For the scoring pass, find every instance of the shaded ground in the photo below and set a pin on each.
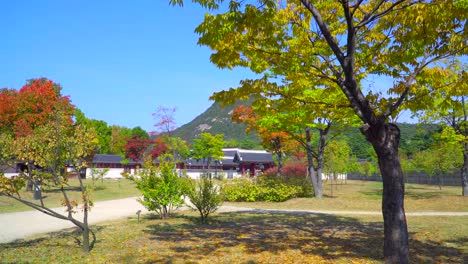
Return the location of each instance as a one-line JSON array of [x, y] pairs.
[[244, 237]]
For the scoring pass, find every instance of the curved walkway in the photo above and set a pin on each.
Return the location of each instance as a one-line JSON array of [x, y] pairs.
[[14, 226]]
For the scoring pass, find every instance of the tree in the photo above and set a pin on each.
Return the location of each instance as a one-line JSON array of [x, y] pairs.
[[103, 131], [139, 132], [159, 147], [46, 149], [161, 187], [119, 136], [208, 148], [276, 142], [446, 104], [337, 158], [336, 45], [165, 120], [440, 159], [178, 148], [31, 106], [136, 147], [205, 197], [288, 116], [96, 175]]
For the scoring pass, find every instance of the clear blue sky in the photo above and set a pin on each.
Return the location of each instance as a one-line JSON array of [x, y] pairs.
[[117, 60]]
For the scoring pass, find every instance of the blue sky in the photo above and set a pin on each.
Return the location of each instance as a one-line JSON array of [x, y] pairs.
[[117, 60]]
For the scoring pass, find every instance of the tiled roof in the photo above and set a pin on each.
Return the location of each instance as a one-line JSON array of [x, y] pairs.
[[243, 155], [232, 156], [195, 162], [108, 158], [254, 157]]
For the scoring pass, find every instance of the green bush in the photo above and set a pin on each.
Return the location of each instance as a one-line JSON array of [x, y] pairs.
[[161, 188], [273, 189], [304, 185], [241, 190], [265, 188], [205, 197]]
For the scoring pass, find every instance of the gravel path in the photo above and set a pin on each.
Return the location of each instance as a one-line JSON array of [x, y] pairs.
[[19, 225]]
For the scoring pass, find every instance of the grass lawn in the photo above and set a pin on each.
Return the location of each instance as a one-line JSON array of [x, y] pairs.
[[247, 238], [367, 196], [108, 190]]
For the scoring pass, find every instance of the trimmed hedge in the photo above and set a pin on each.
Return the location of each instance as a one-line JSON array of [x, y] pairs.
[[266, 188]]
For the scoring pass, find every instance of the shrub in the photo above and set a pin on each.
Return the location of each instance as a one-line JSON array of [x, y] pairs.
[[274, 189], [266, 188], [161, 187], [294, 174], [294, 169], [205, 197], [271, 171], [290, 169], [239, 190]]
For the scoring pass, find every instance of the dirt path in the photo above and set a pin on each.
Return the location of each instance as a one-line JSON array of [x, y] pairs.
[[20, 225]]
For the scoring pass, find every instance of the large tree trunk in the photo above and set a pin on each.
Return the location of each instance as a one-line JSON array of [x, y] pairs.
[[385, 139], [464, 170]]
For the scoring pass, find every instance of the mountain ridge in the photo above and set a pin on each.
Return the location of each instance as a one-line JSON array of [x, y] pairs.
[[216, 120]]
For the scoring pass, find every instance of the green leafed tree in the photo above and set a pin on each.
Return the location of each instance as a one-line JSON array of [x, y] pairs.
[[119, 136], [440, 159], [446, 103], [340, 45], [139, 132], [103, 131], [337, 158], [208, 148]]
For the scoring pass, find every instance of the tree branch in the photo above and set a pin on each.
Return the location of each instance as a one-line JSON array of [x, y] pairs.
[[372, 15], [325, 31]]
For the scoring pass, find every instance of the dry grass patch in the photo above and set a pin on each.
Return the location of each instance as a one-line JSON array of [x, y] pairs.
[[367, 196], [247, 237]]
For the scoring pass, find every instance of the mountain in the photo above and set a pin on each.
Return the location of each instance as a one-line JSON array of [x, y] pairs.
[[216, 120]]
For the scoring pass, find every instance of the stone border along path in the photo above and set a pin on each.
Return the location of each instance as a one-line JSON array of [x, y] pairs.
[[19, 225]]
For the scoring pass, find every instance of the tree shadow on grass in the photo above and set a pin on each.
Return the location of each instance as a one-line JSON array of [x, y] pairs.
[[416, 195], [69, 234], [250, 234], [425, 195]]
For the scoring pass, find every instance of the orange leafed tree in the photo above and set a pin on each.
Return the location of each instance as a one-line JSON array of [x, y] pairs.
[[277, 142], [21, 111]]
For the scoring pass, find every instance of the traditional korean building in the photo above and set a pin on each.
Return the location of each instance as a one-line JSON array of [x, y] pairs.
[[235, 162], [115, 163]]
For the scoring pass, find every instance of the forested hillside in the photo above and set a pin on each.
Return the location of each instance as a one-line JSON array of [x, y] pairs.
[[414, 138], [217, 120]]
